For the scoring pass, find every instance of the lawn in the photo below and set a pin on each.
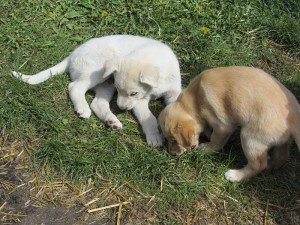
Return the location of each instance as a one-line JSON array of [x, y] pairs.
[[45, 144]]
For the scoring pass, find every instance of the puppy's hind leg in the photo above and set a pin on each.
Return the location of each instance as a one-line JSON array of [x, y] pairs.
[[84, 80], [257, 156], [100, 105], [77, 90]]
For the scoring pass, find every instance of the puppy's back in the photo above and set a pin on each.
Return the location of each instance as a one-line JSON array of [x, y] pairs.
[[246, 94]]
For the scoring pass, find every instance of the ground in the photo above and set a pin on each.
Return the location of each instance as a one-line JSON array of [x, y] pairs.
[[57, 169]]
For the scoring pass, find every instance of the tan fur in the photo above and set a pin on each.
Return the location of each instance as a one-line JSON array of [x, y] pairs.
[[225, 98]]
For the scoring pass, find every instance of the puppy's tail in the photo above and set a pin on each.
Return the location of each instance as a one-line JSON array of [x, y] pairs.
[[45, 74], [296, 128]]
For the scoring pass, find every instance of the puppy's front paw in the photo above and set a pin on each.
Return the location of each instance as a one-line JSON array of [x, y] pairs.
[[84, 113], [154, 139], [234, 175], [114, 123]]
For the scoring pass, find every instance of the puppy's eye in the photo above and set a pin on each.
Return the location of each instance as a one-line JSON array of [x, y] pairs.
[[133, 93]]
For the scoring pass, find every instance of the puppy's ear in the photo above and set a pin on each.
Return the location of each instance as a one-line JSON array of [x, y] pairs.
[[186, 131], [111, 66], [150, 75]]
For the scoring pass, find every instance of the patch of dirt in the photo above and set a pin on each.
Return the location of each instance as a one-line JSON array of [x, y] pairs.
[[27, 198], [17, 209], [50, 215]]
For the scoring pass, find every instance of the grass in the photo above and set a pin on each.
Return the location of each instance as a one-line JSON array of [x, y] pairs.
[[204, 34]]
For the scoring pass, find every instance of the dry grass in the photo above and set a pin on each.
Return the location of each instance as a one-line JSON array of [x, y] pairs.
[[49, 157]]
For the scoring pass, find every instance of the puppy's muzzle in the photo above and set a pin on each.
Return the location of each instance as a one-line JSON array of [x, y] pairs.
[[176, 150]]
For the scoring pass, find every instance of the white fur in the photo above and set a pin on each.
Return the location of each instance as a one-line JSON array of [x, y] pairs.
[[143, 65], [149, 72]]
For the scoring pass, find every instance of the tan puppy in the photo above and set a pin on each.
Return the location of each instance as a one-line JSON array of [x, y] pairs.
[[229, 97]]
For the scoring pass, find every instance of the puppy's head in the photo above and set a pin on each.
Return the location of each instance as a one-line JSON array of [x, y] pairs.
[[133, 80], [179, 128]]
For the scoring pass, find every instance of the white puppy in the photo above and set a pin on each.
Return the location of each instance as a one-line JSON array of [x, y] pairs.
[[146, 73], [91, 64]]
